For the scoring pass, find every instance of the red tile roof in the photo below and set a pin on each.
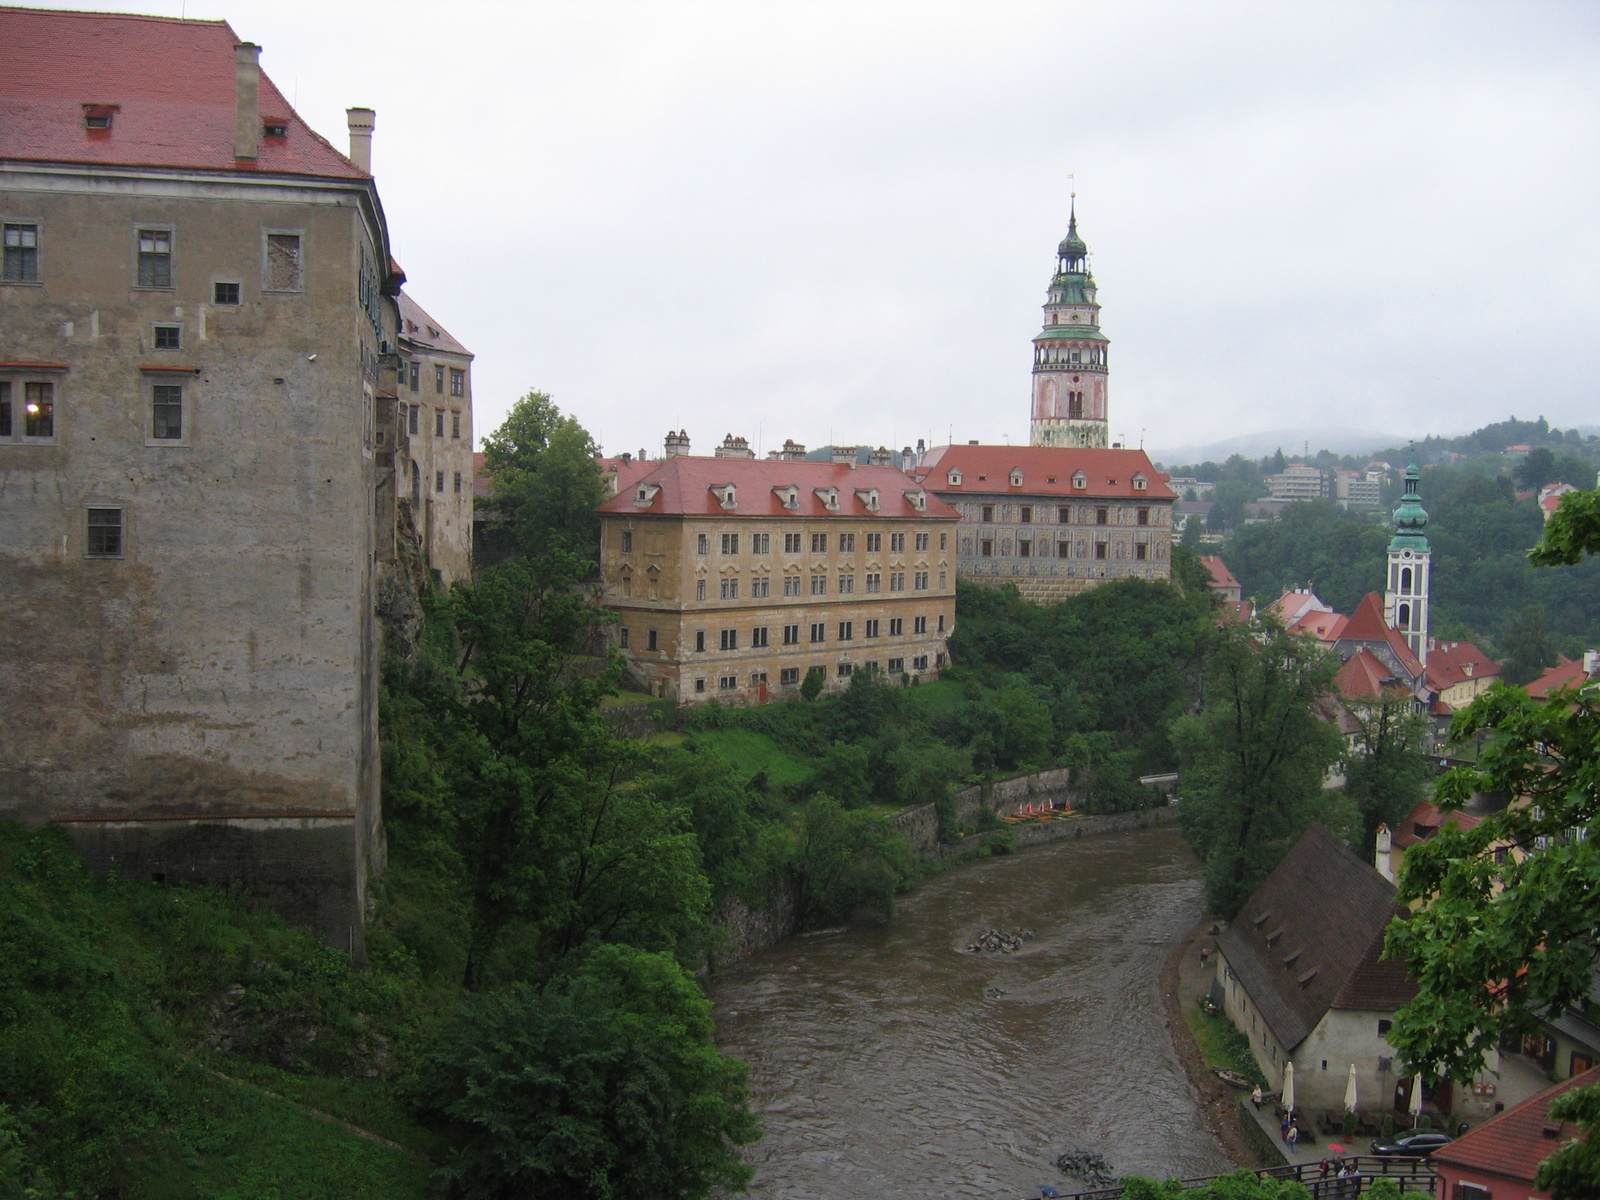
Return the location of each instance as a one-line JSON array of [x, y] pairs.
[[1450, 663], [1565, 674], [417, 326], [1324, 626], [1294, 604], [1046, 471], [1426, 820], [1367, 625], [686, 483], [1514, 1143], [1364, 676], [171, 83], [1221, 577]]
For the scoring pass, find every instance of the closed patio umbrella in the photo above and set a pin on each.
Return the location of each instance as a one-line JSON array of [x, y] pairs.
[[1288, 1086], [1416, 1101], [1350, 1090]]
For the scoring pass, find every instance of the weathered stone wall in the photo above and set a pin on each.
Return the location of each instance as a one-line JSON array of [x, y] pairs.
[[750, 929], [920, 825]]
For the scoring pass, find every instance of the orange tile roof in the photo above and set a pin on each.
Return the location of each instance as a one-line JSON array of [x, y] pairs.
[[169, 82], [1324, 626], [1364, 676], [686, 483], [1294, 604], [1566, 673], [1367, 625], [1514, 1143], [1450, 663], [1046, 471], [1220, 575], [1426, 819]]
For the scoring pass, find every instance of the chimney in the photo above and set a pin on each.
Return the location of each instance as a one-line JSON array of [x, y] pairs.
[[844, 456], [734, 447], [793, 451], [676, 443], [247, 101], [359, 122], [1383, 860], [1591, 662], [881, 457]]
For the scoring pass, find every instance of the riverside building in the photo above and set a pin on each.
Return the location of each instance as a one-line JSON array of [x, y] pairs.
[[734, 578]]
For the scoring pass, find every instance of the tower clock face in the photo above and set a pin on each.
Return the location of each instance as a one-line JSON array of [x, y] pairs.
[[1074, 318]]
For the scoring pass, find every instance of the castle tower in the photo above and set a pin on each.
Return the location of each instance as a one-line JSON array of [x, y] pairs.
[[1069, 355], [1405, 599]]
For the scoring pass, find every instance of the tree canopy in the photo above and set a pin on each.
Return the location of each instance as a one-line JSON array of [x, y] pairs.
[[544, 481]]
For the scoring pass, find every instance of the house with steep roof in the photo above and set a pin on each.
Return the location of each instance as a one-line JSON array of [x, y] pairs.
[[1295, 604], [1567, 673], [1457, 673], [207, 462], [1054, 520], [1421, 823], [734, 578], [1301, 974], [1223, 582], [1500, 1159]]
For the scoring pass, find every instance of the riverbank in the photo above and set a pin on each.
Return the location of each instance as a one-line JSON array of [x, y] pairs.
[[1183, 982]]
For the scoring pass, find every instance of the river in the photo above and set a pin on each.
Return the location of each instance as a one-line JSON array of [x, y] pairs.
[[887, 1062]]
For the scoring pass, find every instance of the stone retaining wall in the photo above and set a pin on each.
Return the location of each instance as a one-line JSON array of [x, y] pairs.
[[1057, 786]]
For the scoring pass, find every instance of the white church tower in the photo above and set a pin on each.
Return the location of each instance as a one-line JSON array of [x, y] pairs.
[[1405, 600], [1069, 355]]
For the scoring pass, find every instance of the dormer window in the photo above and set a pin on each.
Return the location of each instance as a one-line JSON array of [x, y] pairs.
[[954, 477], [98, 116], [788, 496], [919, 500], [829, 497], [646, 494], [727, 495], [1139, 482], [868, 498], [1080, 481], [1016, 477], [275, 127]]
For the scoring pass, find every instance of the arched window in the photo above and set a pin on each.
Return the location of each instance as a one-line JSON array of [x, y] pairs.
[[1405, 579], [1404, 614]]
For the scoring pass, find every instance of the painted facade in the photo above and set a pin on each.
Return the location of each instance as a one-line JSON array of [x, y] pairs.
[[1071, 363]]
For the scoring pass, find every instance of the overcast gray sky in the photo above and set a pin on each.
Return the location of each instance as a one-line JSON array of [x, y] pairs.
[[836, 222]]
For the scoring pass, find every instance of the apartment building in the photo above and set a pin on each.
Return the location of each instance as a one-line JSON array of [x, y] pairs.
[[734, 578], [1054, 521], [434, 390]]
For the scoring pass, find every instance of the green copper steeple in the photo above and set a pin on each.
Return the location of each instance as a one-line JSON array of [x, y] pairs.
[[1410, 518]]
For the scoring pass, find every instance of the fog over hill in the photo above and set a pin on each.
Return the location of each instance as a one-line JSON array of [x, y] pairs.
[[1293, 442]]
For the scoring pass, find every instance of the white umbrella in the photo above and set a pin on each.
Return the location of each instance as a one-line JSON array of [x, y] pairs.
[[1350, 1090], [1288, 1086], [1416, 1101]]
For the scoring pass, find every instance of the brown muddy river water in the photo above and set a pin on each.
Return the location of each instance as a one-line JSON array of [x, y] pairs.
[[886, 1062]]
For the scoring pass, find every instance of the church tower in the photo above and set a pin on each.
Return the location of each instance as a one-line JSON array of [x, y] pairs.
[[1405, 600], [1069, 355]]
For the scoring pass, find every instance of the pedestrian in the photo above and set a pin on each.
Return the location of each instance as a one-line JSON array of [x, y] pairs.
[[1283, 1126], [1322, 1169], [1292, 1136], [1205, 953], [1255, 1097]]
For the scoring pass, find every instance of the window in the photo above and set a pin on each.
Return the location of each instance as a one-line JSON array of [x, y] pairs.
[[283, 262], [1384, 1027], [819, 543], [166, 411], [438, 422], [847, 585], [699, 589], [791, 543], [874, 543], [1101, 550], [1025, 547], [5, 408], [414, 373], [650, 641], [760, 588], [700, 641], [897, 626], [21, 263], [155, 258], [874, 582], [819, 585], [941, 622], [847, 543], [730, 543], [919, 625], [846, 669], [455, 423], [438, 380], [225, 293], [897, 666], [758, 637], [897, 543], [847, 631], [760, 543], [103, 533], [1102, 516], [1063, 549], [943, 581], [730, 639], [1027, 514], [986, 548], [1470, 1191], [791, 635], [1063, 515], [919, 663], [438, 481], [458, 382], [730, 589], [944, 541], [726, 682], [1144, 516], [1080, 481], [702, 543], [622, 636], [920, 581], [627, 541], [791, 585], [699, 685], [872, 628], [458, 483], [38, 410], [789, 675], [1140, 549], [988, 514], [413, 417], [923, 539], [897, 581], [819, 631]]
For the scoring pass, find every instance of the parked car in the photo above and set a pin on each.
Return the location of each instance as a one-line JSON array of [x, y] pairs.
[[1417, 1144]]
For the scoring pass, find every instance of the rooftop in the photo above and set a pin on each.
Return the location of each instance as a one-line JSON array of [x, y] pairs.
[[167, 86], [1044, 471], [418, 327], [1221, 577], [1514, 1143]]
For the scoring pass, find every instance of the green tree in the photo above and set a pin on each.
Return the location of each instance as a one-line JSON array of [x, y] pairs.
[[544, 481], [844, 861], [1254, 757], [1573, 532], [1537, 468], [1228, 499], [1529, 649], [602, 1084], [1386, 771], [1501, 937]]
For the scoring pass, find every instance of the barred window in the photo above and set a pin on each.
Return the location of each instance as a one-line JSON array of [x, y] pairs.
[[224, 293]]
